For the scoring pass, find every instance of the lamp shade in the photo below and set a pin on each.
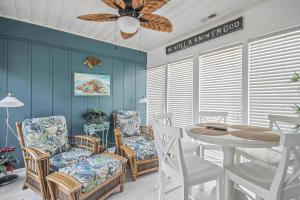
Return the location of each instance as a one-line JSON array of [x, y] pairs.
[[128, 24], [143, 100], [10, 102]]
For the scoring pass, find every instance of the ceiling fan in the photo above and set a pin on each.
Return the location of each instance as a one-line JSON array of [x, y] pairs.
[[132, 14]]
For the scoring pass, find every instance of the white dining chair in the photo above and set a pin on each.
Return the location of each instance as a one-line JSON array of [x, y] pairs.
[[211, 117], [163, 118], [189, 147], [267, 181], [190, 169], [270, 156]]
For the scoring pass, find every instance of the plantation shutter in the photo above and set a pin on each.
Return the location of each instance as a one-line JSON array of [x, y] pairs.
[[220, 82], [273, 61], [156, 91], [180, 92]]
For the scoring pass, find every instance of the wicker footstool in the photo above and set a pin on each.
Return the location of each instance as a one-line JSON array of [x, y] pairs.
[[91, 179]]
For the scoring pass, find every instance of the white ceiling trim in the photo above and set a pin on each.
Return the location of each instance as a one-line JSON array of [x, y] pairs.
[[71, 32], [186, 16]]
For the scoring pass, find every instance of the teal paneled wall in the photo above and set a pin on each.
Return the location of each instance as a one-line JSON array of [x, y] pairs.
[[37, 65]]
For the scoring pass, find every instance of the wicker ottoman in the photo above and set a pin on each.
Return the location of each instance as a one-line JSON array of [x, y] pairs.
[[91, 179]]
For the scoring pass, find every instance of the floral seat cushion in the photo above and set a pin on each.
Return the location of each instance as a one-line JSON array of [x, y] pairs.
[[94, 170], [47, 133], [143, 147], [128, 122], [68, 157]]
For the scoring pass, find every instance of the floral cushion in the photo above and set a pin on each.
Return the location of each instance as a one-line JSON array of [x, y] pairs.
[[47, 133], [68, 157], [128, 122], [94, 170], [143, 147]]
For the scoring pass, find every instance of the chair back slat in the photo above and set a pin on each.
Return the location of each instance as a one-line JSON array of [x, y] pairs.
[[164, 118], [20, 134], [114, 117], [217, 116], [286, 119], [281, 181], [167, 142], [277, 121]]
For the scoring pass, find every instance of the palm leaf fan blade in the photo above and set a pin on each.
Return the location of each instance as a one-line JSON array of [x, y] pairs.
[[99, 17], [137, 4], [156, 23], [116, 4], [151, 6]]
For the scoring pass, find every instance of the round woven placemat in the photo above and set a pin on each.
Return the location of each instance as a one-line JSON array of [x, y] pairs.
[[212, 124], [260, 136], [249, 128], [205, 131]]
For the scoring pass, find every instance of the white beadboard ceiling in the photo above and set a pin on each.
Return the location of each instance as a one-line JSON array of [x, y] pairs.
[[186, 16]]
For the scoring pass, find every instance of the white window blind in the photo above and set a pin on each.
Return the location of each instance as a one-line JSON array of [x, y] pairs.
[[180, 92], [220, 82], [156, 91], [273, 60]]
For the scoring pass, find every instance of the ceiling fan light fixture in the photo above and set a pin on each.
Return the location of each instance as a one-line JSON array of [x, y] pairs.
[[128, 24]]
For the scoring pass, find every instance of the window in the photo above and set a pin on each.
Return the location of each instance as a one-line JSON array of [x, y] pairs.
[[180, 92], [272, 62], [220, 82], [156, 91]]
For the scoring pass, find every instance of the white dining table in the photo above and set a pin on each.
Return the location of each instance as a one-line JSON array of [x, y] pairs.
[[229, 144]]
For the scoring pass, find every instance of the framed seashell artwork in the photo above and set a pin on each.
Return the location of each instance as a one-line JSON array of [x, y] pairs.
[[91, 84]]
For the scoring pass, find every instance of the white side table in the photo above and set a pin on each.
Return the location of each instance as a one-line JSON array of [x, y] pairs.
[[99, 130]]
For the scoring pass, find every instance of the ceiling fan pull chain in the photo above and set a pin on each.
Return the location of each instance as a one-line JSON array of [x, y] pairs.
[[115, 35], [140, 39]]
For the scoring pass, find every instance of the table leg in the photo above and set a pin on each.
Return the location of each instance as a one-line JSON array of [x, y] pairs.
[[229, 160], [102, 138], [106, 140]]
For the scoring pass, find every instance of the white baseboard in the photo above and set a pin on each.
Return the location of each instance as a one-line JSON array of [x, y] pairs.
[[19, 171]]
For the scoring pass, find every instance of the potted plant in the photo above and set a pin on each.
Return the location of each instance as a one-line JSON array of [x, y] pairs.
[[294, 79], [7, 164], [94, 115]]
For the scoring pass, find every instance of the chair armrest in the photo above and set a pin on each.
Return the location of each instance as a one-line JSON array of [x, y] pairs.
[[61, 184], [124, 160], [37, 165], [35, 153], [147, 131], [131, 156], [118, 139], [128, 152], [85, 142]]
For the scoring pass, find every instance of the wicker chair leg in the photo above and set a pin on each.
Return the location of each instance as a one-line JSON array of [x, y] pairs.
[[133, 177], [121, 186], [24, 187], [122, 177], [133, 167]]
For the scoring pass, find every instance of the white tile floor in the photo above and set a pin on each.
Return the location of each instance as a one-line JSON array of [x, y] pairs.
[[144, 188]]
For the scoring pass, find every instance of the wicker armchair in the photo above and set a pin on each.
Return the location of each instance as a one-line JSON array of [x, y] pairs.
[[38, 165], [137, 165]]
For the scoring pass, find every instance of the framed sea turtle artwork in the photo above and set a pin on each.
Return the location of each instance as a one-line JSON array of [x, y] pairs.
[[91, 84]]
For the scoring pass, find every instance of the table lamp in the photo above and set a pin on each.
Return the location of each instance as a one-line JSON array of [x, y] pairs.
[[143, 100], [9, 102]]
